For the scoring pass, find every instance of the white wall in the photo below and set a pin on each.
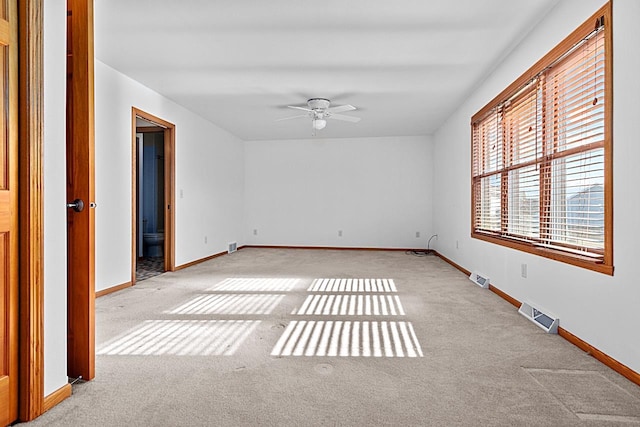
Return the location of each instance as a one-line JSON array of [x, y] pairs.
[[209, 177], [599, 309], [55, 194], [376, 190]]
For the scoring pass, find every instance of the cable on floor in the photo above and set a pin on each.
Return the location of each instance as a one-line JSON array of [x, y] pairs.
[[418, 252], [425, 252]]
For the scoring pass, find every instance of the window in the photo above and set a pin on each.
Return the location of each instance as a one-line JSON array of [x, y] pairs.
[[541, 155]]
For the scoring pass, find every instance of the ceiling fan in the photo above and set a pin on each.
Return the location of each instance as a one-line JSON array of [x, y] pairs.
[[319, 111]]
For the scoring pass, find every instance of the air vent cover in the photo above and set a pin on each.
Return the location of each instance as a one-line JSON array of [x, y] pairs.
[[233, 246], [479, 279], [544, 320]]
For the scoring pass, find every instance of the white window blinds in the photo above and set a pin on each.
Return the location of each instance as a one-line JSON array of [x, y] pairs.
[[538, 163]]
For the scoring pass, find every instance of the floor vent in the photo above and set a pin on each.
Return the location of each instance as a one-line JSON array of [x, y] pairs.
[[233, 246], [544, 320], [479, 279]]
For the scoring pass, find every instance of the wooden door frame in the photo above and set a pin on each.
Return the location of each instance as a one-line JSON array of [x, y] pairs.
[[31, 180], [169, 189]]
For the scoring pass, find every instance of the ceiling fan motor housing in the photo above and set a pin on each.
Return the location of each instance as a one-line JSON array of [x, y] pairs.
[[318, 103]]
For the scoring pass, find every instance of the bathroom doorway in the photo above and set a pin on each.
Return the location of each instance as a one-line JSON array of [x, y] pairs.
[[152, 220]]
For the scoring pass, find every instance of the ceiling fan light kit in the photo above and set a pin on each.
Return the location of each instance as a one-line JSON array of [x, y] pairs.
[[319, 110], [319, 124]]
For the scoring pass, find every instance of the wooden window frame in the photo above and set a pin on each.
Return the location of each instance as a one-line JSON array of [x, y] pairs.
[[605, 264]]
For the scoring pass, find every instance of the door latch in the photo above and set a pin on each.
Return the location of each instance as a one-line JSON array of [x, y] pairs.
[[77, 205]]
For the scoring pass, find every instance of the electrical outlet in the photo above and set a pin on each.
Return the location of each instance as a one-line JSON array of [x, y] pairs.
[[339, 233], [417, 234], [205, 239], [255, 231], [181, 194], [457, 246], [523, 270]]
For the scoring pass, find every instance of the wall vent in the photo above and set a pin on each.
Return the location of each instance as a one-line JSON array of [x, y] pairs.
[[544, 320], [233, 246], [479, 279]]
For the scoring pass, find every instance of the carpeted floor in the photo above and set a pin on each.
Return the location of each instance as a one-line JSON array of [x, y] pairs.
[[320, 337]]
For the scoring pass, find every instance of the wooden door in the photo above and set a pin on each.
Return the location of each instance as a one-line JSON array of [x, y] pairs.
[[8, 215], [81, 186]]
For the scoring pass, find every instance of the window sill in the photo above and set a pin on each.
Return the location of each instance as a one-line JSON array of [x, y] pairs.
[[556, 255]]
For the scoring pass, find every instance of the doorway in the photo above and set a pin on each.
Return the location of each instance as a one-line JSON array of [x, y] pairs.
[[150, 199], [152, 196]]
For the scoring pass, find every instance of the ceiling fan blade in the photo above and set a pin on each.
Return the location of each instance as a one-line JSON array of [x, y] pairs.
[[344, 118], [292, 117], [298, 108], [341, 108]]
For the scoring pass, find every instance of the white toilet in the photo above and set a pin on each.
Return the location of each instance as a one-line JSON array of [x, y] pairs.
[[153, 244]]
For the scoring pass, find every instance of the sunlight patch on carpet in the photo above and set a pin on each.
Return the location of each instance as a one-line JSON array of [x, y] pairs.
[[351, 305], [256, 284], [230, 304], [347, 338], [181, 338], [353, 285]]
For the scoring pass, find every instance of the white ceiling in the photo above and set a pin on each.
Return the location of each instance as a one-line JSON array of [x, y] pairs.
[[405, 65]]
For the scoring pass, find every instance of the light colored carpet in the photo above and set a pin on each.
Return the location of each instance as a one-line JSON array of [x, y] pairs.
[[238, 340]]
